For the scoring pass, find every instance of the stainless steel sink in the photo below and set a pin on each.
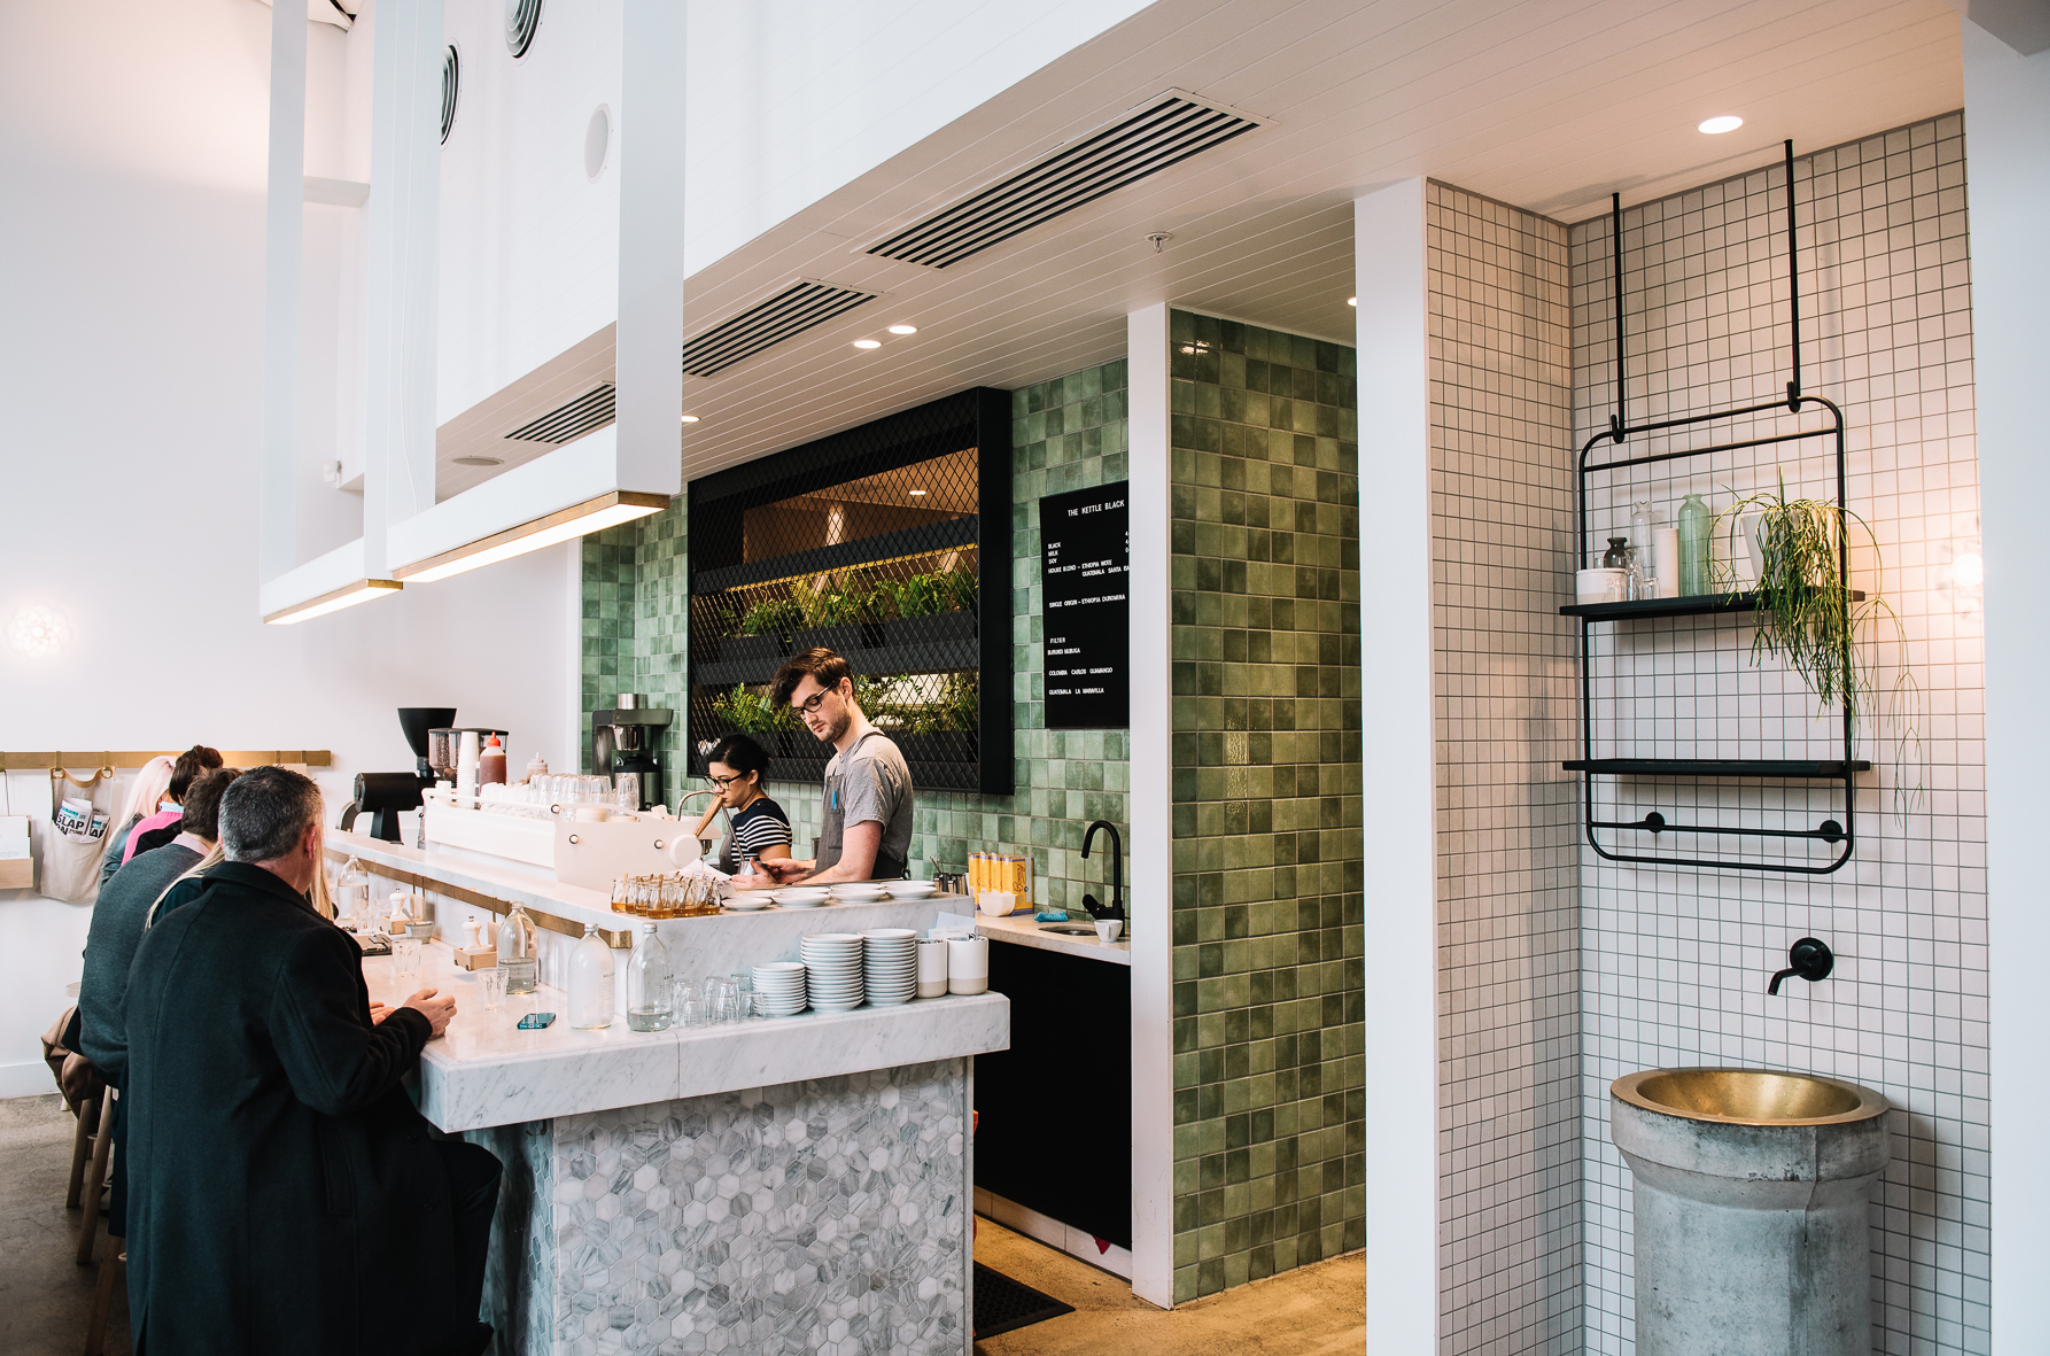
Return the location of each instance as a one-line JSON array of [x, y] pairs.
[[1068, 929], [1749, 1096]]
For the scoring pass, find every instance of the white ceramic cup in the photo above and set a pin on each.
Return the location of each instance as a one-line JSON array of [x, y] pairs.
[[968, 965], [1607, 585], [1110, 929], [996, 903], [932, 967]]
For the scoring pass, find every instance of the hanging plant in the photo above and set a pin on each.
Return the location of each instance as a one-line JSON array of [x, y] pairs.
[[1806, 614]]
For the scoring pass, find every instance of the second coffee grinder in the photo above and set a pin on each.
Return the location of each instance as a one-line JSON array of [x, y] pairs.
[[628, 738]]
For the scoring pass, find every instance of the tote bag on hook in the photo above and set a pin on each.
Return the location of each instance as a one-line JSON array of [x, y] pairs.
[[76, 834]]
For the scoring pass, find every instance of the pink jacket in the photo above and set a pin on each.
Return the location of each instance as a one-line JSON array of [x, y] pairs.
[[160, 819]]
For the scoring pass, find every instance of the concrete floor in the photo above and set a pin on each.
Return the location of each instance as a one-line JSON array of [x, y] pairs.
[[1318, 1310], [45, 1296]]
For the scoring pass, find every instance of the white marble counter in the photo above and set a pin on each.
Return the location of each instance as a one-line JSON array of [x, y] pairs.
[[487, 1072], [1020, 930]]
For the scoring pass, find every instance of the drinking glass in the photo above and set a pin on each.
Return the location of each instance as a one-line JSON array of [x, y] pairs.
[[689, 1005], [744, 993], [405, 958], [491, 988]]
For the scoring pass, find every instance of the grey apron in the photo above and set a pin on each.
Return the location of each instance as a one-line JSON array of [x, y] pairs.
[[834, 828]]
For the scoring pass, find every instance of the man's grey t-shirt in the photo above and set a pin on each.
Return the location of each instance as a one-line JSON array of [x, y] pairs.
[[869, 783]]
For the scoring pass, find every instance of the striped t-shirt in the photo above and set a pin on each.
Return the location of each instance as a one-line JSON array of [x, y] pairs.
[[761, 825]]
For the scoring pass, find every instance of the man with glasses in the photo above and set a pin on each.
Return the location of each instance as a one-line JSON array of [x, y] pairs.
[[867, 824]]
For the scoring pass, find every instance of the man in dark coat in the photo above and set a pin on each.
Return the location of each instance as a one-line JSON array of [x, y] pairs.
[[284, 1195]]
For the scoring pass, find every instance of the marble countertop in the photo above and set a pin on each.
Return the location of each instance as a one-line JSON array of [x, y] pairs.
[[1020, 930], [485, 1071]]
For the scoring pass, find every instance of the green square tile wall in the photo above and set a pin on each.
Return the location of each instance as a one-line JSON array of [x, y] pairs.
[[1067, 434], [1268, 1038]]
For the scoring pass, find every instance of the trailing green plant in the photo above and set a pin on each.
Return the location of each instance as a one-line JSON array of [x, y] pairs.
[[927, 595], [752, 712], [1807, 618], [921, 704], [839, 600], [773, 617]]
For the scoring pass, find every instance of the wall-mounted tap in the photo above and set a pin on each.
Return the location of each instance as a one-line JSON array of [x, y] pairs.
[[1810, 958], [1117, 872]]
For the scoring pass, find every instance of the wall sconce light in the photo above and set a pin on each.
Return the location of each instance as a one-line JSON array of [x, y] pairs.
[[1965, 576], [37, 632]]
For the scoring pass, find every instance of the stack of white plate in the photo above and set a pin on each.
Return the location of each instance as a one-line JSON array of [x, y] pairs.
[[801, 896], [890, 959], [834, 974], [746, 901], [859, 891], [780, 989], [913, 889]]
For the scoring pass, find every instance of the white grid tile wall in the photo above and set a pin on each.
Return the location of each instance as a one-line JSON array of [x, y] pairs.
[[1675, 961], [1508, 916]]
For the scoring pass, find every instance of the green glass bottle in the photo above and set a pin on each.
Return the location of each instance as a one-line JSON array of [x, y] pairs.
[[1694, 521]]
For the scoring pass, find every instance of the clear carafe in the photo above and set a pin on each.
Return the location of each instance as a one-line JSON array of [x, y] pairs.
[[590, 982], [518, 953], [650, 983]]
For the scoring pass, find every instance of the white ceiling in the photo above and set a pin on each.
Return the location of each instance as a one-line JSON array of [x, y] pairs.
[[1548, 104]]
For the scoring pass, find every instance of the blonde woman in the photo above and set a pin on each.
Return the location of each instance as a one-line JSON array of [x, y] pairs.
[[145, 798]]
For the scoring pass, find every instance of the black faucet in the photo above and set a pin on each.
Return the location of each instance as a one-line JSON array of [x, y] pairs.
[[1117, 871], [1810, 958]]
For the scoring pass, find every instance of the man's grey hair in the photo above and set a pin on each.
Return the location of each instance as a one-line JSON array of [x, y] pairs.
[[265, 812]]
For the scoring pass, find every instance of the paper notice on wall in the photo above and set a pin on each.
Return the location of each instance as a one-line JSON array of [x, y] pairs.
[[13, 849]]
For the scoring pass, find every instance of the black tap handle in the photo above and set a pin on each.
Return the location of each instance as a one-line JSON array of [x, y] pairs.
[[1774, 988]]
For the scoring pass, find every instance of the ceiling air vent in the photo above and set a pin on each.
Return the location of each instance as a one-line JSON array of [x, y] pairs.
[[794, 310], [1143, 142], [591, 410], [451, 87], [522, 18]]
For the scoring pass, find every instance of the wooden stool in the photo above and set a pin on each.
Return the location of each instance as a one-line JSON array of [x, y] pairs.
[[103, 1296], [88, 1113], [103, 1153]]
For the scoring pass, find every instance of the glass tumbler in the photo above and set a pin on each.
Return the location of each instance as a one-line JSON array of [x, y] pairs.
[[689, 1005], [405, 958], [491, 988]]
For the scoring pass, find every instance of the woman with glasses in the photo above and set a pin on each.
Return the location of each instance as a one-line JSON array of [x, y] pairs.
[[737, 765]]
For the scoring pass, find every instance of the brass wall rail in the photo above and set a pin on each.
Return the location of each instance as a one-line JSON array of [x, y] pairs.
[[119, 758]]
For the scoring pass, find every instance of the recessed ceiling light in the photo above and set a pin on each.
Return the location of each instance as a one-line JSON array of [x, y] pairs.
[[480, 461], [918, 491], [1728, 122], [868, 343], [690, 419], [1352, 301], [903, 329]]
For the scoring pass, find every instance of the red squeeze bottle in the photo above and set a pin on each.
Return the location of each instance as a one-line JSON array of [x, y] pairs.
[[491, 763]]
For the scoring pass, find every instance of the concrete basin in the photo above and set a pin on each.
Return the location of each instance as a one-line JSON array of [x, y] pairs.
[[1750, 1201]]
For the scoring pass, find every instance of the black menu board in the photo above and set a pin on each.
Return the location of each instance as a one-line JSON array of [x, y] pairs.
[[1084, 568]]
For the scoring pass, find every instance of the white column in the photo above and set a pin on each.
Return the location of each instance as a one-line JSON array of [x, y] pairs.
[[404, 245], [2007, 131], [1399, 801], [1152, 867], [649, 355], [284, 231]]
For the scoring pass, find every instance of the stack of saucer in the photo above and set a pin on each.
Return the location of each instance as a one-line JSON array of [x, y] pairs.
[[890, 958], [913, 889], [780, 989], [859, 891], [833, 963], [802, 896]]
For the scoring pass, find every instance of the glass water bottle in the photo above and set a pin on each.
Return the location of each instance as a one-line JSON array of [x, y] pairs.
[[648, 982], [590, 982], [518, 955]]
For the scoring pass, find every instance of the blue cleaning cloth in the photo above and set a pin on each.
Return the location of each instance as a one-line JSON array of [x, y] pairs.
[[1050, 916]]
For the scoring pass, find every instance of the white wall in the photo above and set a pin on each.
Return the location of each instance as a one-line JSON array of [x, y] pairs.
[[132, 142], [788, 101]]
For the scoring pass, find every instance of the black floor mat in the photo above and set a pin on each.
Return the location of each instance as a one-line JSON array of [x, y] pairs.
[[1002, 1304]]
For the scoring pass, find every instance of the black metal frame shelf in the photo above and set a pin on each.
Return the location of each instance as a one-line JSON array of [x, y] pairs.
[[1839, 835], [977, 641]]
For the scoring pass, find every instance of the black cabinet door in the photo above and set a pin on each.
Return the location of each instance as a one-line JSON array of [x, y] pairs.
[[1056, 1131]]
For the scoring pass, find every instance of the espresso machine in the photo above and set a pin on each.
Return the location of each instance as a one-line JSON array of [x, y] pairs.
[[385, 795], [628, 738]]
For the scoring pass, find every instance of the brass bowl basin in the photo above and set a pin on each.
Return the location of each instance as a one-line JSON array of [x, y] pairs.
[[1749, 1096]]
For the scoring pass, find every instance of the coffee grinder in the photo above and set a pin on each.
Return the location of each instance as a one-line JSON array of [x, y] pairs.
[[384, 795], [628, 738]]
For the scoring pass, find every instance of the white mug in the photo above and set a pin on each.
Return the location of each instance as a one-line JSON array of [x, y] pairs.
[[968, 965], [1109, 929]]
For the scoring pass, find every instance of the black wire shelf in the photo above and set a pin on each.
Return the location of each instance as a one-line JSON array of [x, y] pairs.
[[1831, 769], [1644, 609]]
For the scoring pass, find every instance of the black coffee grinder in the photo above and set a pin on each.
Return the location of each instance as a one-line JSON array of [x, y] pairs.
[[385, 795], [628, 738]]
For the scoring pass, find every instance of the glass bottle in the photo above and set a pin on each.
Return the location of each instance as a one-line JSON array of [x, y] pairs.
[[590, 982], [1644, 577], [352, 894], [1617, 557], [649, 981], [518, 955], [1694, 522]]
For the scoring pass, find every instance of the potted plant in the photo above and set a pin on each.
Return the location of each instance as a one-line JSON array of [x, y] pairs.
[[1807, 614]]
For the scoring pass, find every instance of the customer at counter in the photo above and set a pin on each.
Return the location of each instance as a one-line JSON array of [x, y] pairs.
[[161, 827], [736, 766], [866, 828], [284, 1192]]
